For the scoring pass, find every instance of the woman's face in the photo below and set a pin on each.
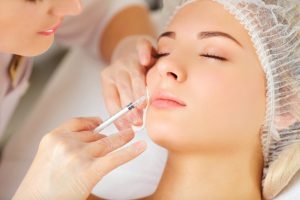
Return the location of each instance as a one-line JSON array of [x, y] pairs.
[[208, 87], [27, 27]]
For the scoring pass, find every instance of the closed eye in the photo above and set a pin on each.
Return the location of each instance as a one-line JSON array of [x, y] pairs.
[[159, 55], [33, 1], [213, 57]]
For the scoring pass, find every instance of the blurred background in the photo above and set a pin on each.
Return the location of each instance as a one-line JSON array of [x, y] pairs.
[[65, 83], [44, 67]]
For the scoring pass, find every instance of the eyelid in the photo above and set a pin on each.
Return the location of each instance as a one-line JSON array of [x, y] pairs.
[[159, 55], [213, 56], [33, 1], [215, 52], [210, 52]]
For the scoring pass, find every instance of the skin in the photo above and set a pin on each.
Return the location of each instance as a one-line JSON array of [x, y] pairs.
[[19, 32], [73, 159], [214, 140], [73, 147], [125, 75], [112, 34], [124, 80]]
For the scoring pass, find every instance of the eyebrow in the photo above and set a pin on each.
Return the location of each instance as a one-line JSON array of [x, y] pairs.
[[168, 34], [209, 34], [203, 35]]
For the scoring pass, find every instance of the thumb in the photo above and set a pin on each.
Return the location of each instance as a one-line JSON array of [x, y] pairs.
[[146, 53]]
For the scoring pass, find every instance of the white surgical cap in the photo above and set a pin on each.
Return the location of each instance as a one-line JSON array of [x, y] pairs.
[[274, 27]]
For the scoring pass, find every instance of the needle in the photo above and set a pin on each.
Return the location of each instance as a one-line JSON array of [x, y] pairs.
[[119, 114]]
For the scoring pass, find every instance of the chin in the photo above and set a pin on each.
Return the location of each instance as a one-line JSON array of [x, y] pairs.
[[37, 47], [40, 51]]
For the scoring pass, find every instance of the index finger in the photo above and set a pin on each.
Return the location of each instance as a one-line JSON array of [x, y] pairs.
[[79, 124], [113, 103]]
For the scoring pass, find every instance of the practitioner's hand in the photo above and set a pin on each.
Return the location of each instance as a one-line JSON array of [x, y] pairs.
[[72, 159], [125, 79]]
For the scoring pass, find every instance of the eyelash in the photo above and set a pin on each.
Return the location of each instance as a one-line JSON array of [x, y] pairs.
[[211, 56], [159, 55], [33, 1]]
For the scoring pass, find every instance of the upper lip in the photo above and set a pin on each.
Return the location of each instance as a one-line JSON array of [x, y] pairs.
[[54, 27], [164, 95]]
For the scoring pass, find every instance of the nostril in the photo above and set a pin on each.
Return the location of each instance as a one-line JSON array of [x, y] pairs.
[[173, 75]]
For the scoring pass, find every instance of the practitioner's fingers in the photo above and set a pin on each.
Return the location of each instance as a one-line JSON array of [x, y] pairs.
[[110, 143], [86, 136], [104, 165], [146, 53], [79, 124]]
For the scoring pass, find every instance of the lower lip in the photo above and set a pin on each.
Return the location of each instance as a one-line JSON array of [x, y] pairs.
[[49, 32], [166, 104]]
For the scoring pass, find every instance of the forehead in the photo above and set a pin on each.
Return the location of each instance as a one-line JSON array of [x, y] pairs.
[[206, 15]]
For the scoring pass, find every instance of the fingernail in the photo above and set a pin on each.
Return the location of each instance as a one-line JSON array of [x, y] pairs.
[[127, 132], [122, 125], [140, 146], [136, 118], [137, 121], [133, 117]]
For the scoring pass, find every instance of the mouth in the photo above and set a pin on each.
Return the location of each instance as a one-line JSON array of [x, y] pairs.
[[51, 30], [166, 100]]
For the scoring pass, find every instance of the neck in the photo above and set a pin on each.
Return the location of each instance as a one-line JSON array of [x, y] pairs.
[[210, 177]]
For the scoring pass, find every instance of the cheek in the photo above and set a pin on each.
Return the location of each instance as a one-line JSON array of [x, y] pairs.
[[18, 33], [20, 23], [234, 101], [223, 105], [152, 79]]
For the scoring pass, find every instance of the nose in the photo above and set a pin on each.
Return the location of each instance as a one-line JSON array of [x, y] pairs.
[[63, 8], [172, 69]]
